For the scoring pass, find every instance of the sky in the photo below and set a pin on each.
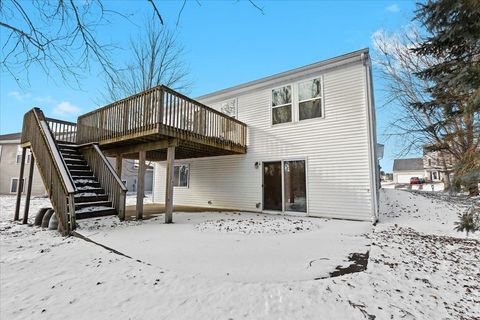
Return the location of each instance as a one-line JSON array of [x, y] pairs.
[[226, 43]]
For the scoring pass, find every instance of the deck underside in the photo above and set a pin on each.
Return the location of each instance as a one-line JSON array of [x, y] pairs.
[[155, 142]]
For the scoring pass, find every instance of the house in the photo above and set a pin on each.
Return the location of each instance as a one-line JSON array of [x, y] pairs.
[[437, 164], [10, 155], [404, 169], [311, 147], [300, 142]]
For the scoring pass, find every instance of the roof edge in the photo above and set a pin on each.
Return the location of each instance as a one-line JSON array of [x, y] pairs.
[[320, 64]]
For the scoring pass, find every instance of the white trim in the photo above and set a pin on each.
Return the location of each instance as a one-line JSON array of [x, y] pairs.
[[283, 211], [322, 97], [18, 181], [188, 176], [292, 97], [372, 139]]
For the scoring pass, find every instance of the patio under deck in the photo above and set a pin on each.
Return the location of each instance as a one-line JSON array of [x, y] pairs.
[[157, 118], [160, 124]]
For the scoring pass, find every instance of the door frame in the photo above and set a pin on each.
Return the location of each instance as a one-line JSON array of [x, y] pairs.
[[283, 211]]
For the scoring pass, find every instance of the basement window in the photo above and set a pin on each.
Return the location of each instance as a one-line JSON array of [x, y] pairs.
[[310, 99], [181, 175], [282, 105]]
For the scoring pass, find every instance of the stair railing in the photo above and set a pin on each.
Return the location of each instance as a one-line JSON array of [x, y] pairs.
[[63, 131], [52, 167], [107, 176]]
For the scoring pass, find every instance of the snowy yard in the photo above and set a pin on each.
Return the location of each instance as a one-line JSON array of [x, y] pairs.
[[243, 265]]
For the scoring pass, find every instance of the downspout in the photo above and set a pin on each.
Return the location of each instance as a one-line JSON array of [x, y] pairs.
[[372, 141]]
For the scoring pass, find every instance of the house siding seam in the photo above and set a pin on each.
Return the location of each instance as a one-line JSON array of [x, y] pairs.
[[336, 149]]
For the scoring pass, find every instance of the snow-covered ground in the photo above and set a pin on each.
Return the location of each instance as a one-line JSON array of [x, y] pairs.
[[419, 268]]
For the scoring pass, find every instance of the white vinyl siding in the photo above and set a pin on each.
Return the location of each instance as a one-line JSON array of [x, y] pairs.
[[336, 150]]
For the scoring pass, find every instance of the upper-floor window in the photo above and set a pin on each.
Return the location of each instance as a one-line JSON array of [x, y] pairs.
[[229, 108], [181, 175], [310, 99], [19, 155], [282, 105]]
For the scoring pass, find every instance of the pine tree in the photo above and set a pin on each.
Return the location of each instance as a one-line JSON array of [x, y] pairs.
[[454, 43]]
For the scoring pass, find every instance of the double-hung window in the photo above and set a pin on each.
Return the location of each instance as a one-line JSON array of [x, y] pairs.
[[28, 155], [310, 99], [282, 105], [181, 175]]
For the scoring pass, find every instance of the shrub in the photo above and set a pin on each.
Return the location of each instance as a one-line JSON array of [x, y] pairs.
[[469, 221]]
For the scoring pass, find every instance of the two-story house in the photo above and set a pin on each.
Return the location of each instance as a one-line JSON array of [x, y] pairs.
[[10, 155], [311, 146]]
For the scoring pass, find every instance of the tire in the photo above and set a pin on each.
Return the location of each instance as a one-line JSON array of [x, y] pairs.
[[53, 222], [39, 216], [46, 218]]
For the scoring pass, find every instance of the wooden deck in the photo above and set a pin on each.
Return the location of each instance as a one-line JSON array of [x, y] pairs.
[[157, 118], [151, 210]]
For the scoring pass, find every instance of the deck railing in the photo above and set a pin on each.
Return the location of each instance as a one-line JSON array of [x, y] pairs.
[[52, 167], [63, 131], [108, 178], [160, 110]]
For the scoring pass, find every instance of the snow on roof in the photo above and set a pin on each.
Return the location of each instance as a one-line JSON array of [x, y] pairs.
[[408, 164]]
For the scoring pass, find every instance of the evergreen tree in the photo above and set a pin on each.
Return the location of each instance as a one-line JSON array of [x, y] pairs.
[[454, 91]]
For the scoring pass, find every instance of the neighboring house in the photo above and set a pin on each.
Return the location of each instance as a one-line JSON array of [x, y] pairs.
[[311, 146], [404, 169], [437, 164], [10, 159]]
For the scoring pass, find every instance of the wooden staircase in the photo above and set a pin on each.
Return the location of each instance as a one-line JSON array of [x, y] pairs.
[[90, 198], [80, 181]]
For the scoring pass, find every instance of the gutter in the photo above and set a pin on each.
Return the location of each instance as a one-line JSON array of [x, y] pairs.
[[372, 141]]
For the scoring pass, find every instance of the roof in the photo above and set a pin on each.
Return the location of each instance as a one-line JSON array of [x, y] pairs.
[[11, 137], [314, 67], [408, 164]]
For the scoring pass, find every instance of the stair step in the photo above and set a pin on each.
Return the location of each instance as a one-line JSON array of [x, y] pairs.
[[73, 156], [91, 189], [86, 182], [90, 197], [81, 173], [75, 161], [68, 149], [80, 205], [80, 167], [92, 212]]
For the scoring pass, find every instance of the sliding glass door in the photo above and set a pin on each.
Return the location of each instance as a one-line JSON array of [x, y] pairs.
[[295, 186], [284, 186]]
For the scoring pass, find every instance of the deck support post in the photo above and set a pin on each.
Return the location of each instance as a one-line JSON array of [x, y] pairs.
[[169, 184], [118, 165], [29, 190], [140, 184], [16, 217]]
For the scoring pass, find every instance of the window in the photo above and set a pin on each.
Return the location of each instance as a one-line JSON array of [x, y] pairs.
[[282, 105], [229, 108], [14, 185], [181, 175], [19, 155], [310, 99]]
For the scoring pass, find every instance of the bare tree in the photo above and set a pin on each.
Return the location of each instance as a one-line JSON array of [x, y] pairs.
[[417, 127], [53, 35], [60, 36], [157, 58]]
